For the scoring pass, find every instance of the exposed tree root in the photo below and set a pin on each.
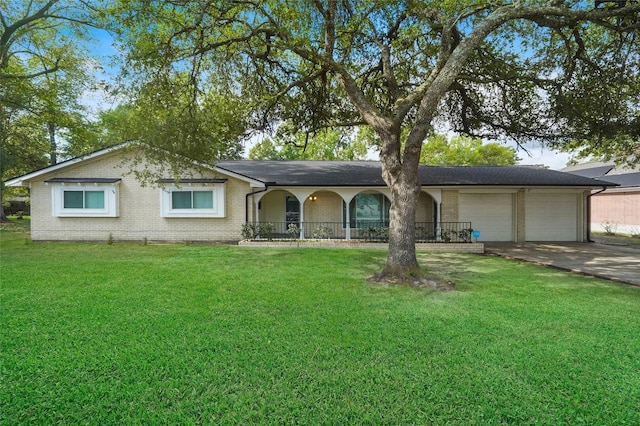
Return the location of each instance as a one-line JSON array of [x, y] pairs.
[[411, 279]]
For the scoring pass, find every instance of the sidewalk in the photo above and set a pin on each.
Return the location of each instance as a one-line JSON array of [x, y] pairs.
[[616, 263]]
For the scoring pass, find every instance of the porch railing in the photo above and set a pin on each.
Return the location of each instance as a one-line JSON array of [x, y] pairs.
[[432, 232]]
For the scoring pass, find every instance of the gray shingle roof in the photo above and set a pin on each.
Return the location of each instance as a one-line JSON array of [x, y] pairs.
[[592, 172], [368, 173], [627, 180], [624, 176]]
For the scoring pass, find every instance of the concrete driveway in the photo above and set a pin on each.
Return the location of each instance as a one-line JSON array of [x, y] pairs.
[[616, 263]]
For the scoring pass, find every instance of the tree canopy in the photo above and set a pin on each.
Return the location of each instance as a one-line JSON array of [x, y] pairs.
[[327, 144], [465, 151], [42, 75]]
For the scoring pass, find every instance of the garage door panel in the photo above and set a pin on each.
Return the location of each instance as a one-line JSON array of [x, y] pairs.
[[551, 217], [491, 214]]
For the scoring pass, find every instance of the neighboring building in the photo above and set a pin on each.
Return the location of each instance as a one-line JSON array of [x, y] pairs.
[[89, 198], [617, 209]]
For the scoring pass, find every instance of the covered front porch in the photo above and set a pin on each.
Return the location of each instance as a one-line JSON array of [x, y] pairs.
[[319, 213]]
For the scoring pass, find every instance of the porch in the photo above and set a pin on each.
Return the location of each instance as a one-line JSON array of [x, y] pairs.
[[425, 232], [360, 214]]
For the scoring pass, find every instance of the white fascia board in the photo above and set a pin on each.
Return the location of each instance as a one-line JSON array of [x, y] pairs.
[[253, 183], [24, 179]]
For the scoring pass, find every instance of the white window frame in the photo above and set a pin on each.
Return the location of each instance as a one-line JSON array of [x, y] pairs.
[[360, 224], [111, 196], [217, 211]]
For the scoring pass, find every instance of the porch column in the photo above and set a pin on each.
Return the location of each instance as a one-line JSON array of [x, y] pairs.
[[302, 217], [347, 228], [436, 222], [301, 195], [347, 195]]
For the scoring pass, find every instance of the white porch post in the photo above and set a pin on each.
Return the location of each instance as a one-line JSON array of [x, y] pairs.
[[437, 219], [347, 228], [256, 203], [301, 195], [302, 217], [347, 195]]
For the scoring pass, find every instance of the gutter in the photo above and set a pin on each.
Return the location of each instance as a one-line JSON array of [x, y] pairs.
[[251, 194], [604, 188]]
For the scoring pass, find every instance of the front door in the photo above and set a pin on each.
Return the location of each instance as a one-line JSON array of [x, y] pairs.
[[292, 210]]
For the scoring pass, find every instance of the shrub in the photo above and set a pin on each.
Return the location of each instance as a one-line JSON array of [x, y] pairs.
[[322, 232], [249, 231], [609, 227], [266, 230], [293, 231]]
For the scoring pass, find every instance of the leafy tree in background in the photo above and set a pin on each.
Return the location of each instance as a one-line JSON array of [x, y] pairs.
[[465, 151], [167, 128], [550, 71], [40, 74], [57, 103], [622, 150], [327, 144]]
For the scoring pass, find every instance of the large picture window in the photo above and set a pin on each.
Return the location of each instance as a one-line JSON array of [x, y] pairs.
[[367, 210], [192, 199], [84, 197], [201, 201]]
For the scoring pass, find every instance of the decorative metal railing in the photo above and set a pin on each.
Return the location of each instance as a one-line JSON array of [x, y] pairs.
[[432, 232]]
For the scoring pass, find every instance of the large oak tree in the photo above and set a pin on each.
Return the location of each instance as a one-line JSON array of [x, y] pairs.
[[552, 71]]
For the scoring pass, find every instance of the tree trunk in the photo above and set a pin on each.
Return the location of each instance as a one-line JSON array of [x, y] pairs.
[[401, 261], [3, 141], [402, 179], [3, 216], [53, 146]]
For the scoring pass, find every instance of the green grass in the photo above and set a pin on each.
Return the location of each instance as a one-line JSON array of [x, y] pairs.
[[166, 334], [617, 239]]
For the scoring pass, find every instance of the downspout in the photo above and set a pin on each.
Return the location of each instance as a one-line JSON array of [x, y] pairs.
[[604, 188], [246, 201]]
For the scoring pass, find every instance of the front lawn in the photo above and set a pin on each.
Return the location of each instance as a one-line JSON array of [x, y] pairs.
[[175, 334]]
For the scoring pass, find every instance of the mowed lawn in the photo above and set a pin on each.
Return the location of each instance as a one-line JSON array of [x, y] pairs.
[[177, 334]]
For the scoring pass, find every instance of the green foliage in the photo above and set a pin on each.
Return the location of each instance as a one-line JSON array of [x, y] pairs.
[[540, 73], [229, 335], [465, 151], [43, 71], [622, 150], [324, 145], [293, 231], [170, 132], [322, 232], [251, 231]]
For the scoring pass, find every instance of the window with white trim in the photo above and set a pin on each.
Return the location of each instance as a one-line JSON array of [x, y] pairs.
[[84, 199], [193, 201], [365, 210]]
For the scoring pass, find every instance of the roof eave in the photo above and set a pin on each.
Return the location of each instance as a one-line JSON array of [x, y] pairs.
[[24, 179]]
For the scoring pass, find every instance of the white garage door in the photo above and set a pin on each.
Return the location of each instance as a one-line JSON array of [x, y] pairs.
[[551, 217], [491, 214]]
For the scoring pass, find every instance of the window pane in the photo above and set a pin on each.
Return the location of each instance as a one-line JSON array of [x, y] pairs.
[[369, 207], [94, 199], [73, 199], [181, 200], [202, 199]]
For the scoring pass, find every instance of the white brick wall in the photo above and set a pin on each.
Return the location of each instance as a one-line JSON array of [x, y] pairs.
[[139, 216]]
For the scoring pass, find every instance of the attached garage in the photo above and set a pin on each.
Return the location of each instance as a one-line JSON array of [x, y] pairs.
[[491, 214], [551, 217]]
